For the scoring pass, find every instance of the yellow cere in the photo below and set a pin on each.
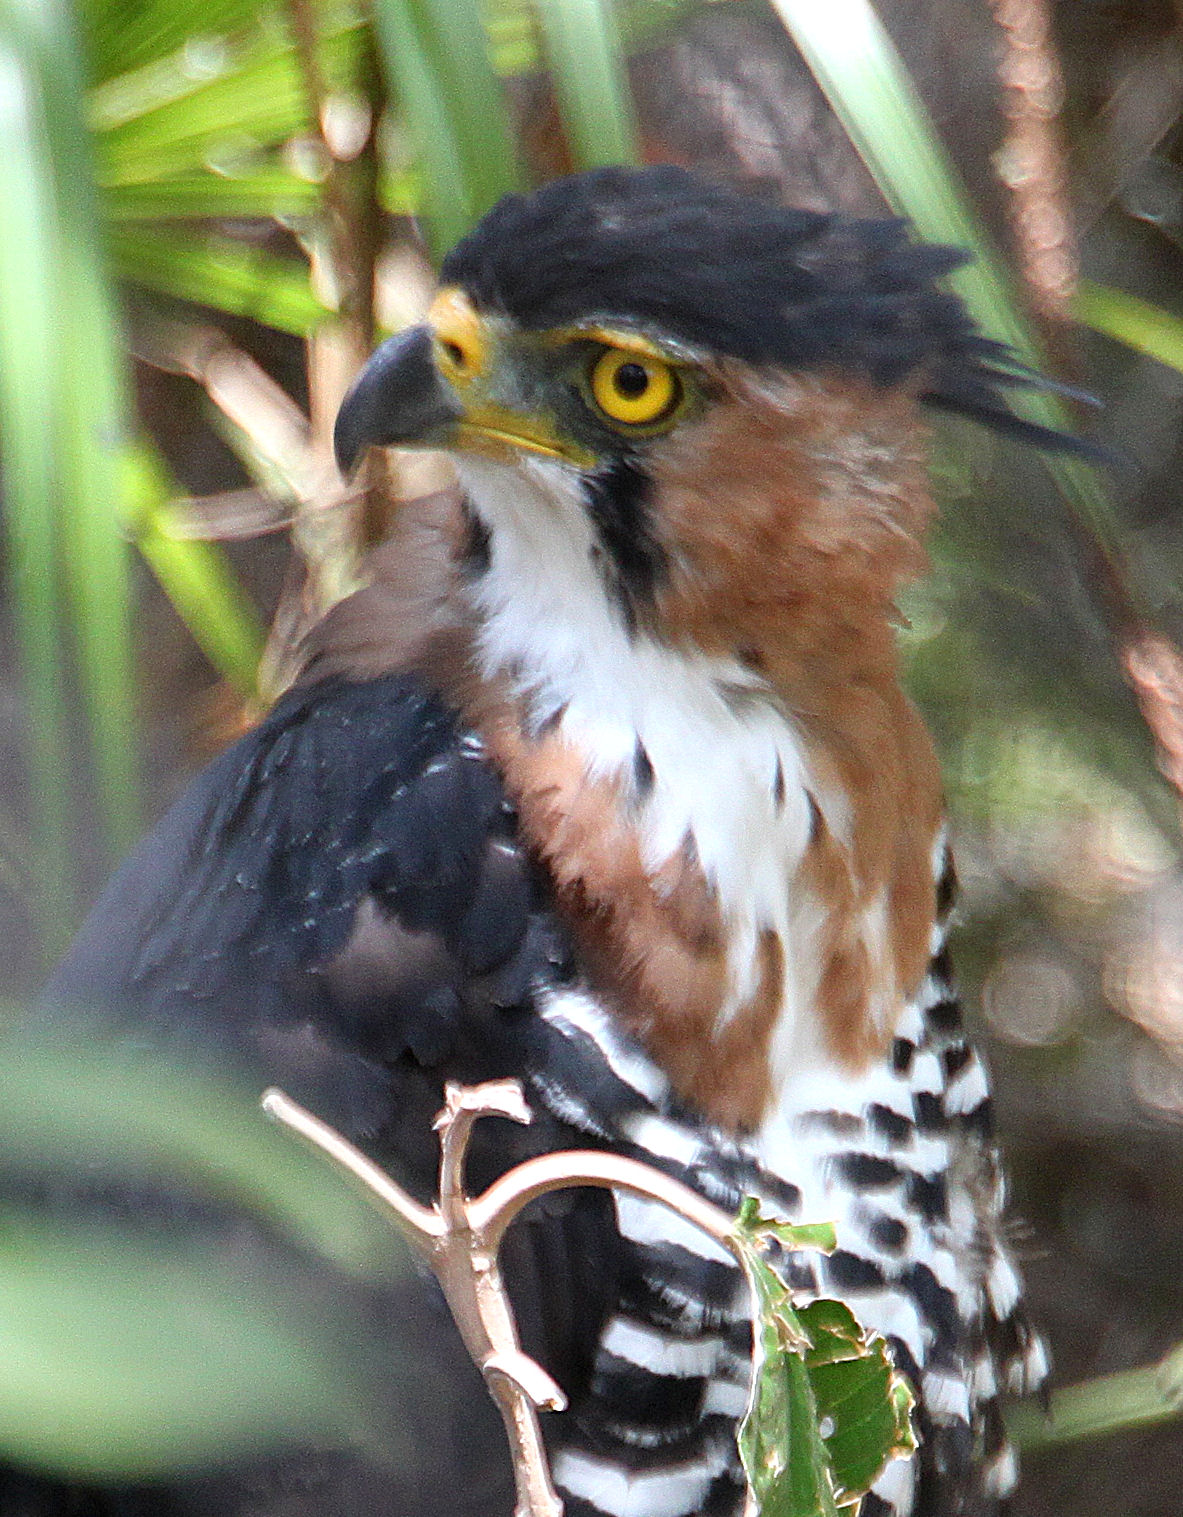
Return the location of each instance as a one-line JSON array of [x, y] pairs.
[[460, 345], [633, 387]]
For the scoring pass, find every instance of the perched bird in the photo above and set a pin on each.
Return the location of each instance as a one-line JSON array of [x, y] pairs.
[[607, 781]]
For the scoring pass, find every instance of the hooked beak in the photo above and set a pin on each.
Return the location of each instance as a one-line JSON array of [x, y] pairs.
[[398, 398]]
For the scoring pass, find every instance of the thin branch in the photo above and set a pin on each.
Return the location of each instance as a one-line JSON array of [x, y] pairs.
[[282, 446], [1033, 162], [418, 1225], [262, 411], [1033, 167], [1154, 667], [459, 1239], [350, 234], [465, 1264], [462, 1106], [352, 228], [226, 516], [492, 1213]]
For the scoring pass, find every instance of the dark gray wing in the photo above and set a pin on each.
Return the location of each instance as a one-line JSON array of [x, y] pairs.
[[339, 905]]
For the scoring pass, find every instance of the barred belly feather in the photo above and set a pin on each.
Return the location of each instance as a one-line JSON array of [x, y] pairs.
[[902, 1162]]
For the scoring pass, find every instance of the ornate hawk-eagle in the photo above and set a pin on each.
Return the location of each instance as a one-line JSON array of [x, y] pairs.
[[607, 781]]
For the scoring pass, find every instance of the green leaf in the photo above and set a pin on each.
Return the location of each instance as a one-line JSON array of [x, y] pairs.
[[833, 1331], [828, 1409], [94, 429], [267, 191], [28, 448], [863, 1404], [755, 1228], [780, 1443], [219, 272], [76, 1105], [144, 1329], [177, 117], [633, 25], [132, 1357], [1122, 1402], [1142, 326], [156, 1333], [85, 403], [582, 45], [435, 56], [133, 33], [198, 580]]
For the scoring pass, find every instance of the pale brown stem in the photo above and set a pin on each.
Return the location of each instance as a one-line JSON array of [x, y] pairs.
[[226, 516], [418, 1225], [462, 1106], [351, 232], [466, 1265], [1031, 162], [491, 1213], [460, 1237], [1154, 667], [464, 1262], [350, 226], [323, 509]]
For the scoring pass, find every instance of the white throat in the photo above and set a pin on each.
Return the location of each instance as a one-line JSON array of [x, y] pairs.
[[727, 773]]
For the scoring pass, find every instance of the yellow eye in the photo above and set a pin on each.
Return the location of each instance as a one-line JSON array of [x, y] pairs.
[[633, 387]]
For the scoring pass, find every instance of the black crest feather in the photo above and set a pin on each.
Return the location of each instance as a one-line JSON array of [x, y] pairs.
[[730, 274]]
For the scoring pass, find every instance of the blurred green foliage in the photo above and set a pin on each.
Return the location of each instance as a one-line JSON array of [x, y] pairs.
[[142, 1332]]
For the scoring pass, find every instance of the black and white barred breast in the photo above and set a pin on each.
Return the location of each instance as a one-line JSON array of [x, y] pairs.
[[342, 903], [903, 1162]]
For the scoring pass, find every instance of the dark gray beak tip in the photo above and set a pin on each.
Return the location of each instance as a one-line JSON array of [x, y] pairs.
[[349, 432], [397, 398]]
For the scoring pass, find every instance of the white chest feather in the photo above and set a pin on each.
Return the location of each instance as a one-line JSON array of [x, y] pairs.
[[704, 754]]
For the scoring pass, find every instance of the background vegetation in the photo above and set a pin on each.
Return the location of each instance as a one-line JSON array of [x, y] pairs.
[[209, 215]]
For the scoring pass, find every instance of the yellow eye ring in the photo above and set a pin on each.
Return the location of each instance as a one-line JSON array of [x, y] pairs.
[[633, 388], [458, 360], [459, 336]]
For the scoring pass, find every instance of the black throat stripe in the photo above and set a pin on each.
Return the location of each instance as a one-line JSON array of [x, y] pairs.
[[631, 560]]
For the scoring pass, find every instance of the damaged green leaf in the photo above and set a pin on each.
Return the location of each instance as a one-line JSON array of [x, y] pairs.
[[828, 1408]]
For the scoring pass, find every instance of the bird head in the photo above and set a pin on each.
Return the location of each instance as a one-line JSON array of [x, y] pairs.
[[720, 392], [687, 429]]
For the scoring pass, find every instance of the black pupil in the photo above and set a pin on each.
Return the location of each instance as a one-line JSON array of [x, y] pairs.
[[631, 380], [455, 352]]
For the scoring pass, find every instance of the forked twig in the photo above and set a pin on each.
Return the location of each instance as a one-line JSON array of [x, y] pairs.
[[460, 1236]]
